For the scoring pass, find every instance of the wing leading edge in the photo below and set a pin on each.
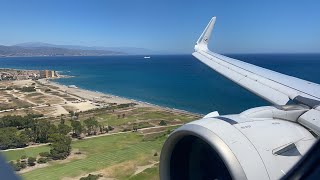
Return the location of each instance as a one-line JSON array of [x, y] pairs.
[[272, 86]]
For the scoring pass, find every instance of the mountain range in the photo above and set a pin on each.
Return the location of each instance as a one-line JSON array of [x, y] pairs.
[[45, 49]]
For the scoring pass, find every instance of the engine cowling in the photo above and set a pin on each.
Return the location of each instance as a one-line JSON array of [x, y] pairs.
[[234, 147]]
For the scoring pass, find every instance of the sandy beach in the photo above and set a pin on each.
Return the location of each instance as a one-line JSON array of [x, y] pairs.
[[89, 95], [99, 98]]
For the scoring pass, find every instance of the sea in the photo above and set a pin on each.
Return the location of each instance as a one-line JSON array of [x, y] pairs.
[[174, 81]]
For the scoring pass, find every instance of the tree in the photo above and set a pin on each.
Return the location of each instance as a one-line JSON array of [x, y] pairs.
[[77, 128], [28, 89], [44, 154], [11, 138], [60, 147], [30, 134], [62, 121], [64, 129], [21, 140], [31, 161], [106, 129], [31, 121], [18, 122], [23, 165], [42, 160], [100, 128], [162, 123], [110, 128], [134, 128], [91, 125], [7, 137], [42, 129], [91, 177]]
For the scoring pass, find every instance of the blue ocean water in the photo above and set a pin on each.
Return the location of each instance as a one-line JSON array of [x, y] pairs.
[[175, 81]]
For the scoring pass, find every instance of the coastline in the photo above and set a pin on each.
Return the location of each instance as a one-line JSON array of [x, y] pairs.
[[93, 96], [107, 97]]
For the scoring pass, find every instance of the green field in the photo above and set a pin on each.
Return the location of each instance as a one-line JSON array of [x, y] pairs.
[[30, 152], [128, 150], [148, 117], [142, 114]]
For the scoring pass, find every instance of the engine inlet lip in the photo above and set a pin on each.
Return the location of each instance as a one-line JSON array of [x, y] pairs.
[[231, 162]]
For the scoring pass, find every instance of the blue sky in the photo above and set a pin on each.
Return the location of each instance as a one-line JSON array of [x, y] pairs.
[[165, 25]]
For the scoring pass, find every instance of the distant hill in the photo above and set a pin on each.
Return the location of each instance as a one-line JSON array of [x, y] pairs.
[[96, 49], [44, 49], [10, 51]]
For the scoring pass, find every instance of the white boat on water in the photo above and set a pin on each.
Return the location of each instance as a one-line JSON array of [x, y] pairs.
[[147, 57]]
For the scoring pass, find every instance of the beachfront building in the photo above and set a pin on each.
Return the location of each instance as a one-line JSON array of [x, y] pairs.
[[44, 74], [47, 74]]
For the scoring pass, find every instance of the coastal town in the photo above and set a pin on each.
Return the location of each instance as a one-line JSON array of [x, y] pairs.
[[45, 117], [15, 74]]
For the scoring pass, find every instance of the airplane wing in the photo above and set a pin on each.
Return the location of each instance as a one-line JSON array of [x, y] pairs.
[[277, 88], [259, 143]]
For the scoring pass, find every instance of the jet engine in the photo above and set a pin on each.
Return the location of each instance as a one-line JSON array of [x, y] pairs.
[[260, 143]]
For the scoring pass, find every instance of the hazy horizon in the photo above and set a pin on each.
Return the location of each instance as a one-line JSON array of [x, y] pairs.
[[165, 26]]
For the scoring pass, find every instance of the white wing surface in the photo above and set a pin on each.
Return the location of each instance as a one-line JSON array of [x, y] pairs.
[[272, 86]]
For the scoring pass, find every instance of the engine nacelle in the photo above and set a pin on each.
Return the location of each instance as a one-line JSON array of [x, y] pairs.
[[234, 147]]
